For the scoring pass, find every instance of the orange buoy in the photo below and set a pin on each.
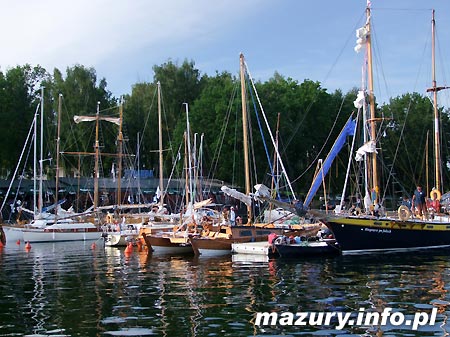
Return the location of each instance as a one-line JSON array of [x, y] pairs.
[[18, 242], [28, 246], [129, 248]]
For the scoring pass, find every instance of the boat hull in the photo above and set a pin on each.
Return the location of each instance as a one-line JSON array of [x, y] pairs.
[[37, 235], [165, 245], [218, 244], [308, 249], [357, 235], [13, 233], [120, 239], [207, 246]]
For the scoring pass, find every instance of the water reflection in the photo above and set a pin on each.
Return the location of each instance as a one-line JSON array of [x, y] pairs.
[[75, 290]]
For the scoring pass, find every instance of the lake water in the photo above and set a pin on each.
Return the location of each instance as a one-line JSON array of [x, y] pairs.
[[73, 289]]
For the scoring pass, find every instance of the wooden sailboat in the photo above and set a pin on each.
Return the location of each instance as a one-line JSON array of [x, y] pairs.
[[120, 230], [368, 232], [178, 239], [159, 218], [218, 240]]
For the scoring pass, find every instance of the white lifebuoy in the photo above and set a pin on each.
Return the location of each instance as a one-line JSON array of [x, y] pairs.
[[404, 213], [279, 240], [435, 194]]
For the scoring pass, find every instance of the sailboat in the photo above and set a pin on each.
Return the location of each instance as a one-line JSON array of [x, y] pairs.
[[52, 223], [218, 240], [120, 230], [61, 225], [177, 240], [370, 230]]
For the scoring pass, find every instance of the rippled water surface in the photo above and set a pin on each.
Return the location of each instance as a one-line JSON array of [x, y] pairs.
[[74, 289]]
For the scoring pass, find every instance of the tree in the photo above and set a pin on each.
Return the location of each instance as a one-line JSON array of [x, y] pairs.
[[19, 96], [409, 138], [81, 93]]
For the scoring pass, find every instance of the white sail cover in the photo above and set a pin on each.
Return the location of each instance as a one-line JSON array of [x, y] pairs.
[[262, 191], [203, 203], [359, 101], [361, 38], [369, 147], [79, 119], [246, 199]]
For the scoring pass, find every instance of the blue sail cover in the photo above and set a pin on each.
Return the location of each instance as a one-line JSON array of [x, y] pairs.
[[348, 130]]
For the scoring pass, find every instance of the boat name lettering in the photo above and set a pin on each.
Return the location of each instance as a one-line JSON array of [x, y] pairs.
[[377, 230]]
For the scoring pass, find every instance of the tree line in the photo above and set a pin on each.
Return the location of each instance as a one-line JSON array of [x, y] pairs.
[[305, 118]]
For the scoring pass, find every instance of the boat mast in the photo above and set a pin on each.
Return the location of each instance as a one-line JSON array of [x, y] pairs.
[[435, 89], [119, 157], [245, 135], [57, 154], [97, 119], [186, 179], [35, 202], [189, 153], [372, 119], [41, 160], [161, 187], [96, 156]]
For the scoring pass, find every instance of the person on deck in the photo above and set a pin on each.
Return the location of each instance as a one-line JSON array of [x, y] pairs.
[[419, 201], [232, 216]]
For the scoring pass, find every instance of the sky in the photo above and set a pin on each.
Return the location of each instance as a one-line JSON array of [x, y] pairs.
[[299, 39]]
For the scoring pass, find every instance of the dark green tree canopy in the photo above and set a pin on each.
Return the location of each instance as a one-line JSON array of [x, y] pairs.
[[304, 117]]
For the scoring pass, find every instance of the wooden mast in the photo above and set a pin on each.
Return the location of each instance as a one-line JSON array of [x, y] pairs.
[[245, 135], [435, 89], [97, 119], [372, 121]]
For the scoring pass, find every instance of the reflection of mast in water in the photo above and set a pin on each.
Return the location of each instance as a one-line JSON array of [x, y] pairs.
[[441, 303], [179, 272], [162, 304], [38, 301]]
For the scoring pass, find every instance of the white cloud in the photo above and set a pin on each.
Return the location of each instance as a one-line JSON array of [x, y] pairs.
[[62, 33]]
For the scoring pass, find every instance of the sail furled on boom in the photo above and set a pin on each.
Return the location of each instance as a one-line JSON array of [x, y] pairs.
[[348, 130], [79, 119]]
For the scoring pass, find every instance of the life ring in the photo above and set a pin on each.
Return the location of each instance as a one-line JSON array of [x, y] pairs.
[[279, 240], [404, 213], [435, 194], [357, 211], [109, 218]]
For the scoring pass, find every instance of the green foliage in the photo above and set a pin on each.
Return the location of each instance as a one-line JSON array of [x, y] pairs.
[[303, 118]]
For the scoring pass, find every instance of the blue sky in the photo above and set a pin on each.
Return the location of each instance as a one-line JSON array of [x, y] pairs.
[[301, 39]]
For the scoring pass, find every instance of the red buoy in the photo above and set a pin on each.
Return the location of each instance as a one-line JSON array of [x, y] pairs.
[[129, 248]]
